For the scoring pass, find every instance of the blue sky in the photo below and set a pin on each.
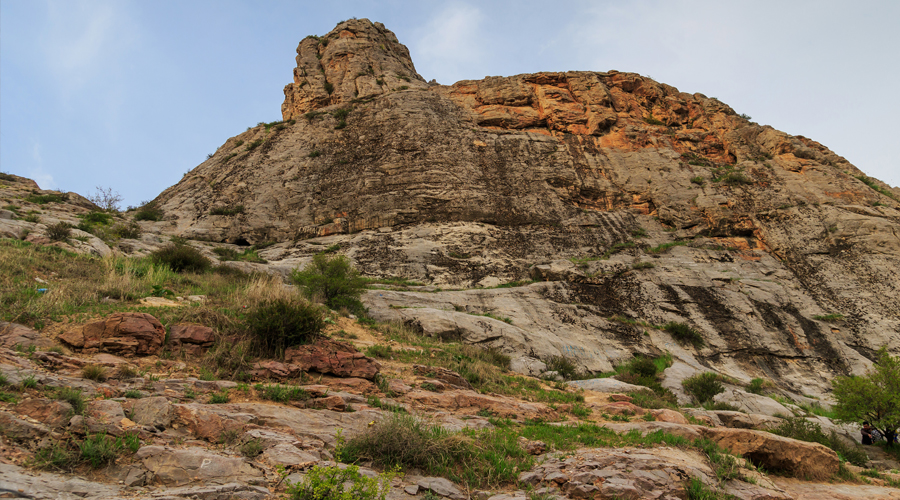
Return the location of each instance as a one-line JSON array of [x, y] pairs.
[[133, 94]]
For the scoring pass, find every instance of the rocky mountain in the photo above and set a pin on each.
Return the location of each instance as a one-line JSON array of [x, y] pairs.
[[629, 203], [577, 218]]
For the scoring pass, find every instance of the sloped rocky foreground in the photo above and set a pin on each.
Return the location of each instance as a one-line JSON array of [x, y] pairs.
[[216, 439]]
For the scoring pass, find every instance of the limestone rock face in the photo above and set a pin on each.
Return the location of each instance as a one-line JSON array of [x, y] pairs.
[[636, 205], [357, 60]]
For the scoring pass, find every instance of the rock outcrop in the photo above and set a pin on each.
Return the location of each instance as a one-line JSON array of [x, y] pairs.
[[636, 203]]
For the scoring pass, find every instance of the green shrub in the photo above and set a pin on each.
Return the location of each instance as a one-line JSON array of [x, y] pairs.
[[42, 199], [643, 366], [100, 449], [72, 396], [130, 231], [94, 372], [280, 323], [335, 483], [564, 366], [720, 406], [703, 386], [829, 317], [698, 180], [479, 458], [684, 333], [255, 144], [218, 398], [757, 385], [239, 209], [95, 217], [332, 279], [29, 382], [281, 393], [651, 400], [329, 87], [149, 211], [181, 258], [252, 448], [59, 231], [133, 394]]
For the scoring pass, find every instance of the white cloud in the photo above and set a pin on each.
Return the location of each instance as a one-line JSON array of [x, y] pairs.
[[449, 42]]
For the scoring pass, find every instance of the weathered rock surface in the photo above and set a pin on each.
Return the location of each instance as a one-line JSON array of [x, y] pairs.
[[334, 357], [14, 334], [178, 467], [49, 486], [776, 452], [634, 473], [128, 334], [193, 339]]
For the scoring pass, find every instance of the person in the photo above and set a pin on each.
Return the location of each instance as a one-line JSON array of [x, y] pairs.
[[866, 433]]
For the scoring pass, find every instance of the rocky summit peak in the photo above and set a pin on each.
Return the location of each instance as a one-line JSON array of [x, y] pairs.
[[358, 59]]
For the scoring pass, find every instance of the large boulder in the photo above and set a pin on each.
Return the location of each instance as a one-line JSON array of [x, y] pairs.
[[127, 334], [178, 467], [330, 356], [777, 453]]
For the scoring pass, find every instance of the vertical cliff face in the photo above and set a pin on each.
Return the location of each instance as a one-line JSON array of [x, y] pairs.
[[573, 178], [355, 61]]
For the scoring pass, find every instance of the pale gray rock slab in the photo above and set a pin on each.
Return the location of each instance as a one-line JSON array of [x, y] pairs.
[[183, 466], [286, 454], [228, 491], [156, 412], [50, 486], [441, 487], [752, 403], [306, 423], [608, 385], [527, 365]]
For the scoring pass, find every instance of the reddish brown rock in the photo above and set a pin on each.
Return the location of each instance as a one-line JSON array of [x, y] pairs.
[[330, 356], [270, 369], [335, 403], [126, 334], [471, 402], [14, 334], [54, 414], [622, 408], [673, 416], [192, 339], [620, 397], [448, 376]]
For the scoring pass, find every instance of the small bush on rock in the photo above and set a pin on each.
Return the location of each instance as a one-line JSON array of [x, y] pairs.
[[332, 279], [281, 323], [684, 333], [703, 386], [181, 258], [149, 211], [334, 483], [59, 231]]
